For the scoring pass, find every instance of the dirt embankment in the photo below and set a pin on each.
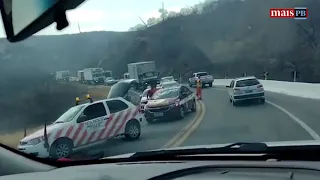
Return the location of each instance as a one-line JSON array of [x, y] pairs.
[[61, 97]]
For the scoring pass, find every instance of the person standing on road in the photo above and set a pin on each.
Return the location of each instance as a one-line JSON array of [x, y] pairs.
[[199, 88], [152, 90]]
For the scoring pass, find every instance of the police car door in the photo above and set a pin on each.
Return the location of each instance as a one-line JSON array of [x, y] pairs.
[[91, 124], [118, 110]]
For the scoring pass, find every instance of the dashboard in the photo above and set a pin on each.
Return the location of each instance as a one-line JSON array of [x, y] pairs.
[[219, 170], [14, 166]]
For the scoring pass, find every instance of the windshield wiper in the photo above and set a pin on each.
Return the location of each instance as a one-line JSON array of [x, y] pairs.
[[240, 147]]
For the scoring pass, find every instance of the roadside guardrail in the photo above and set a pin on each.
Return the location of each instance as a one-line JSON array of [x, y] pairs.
[[300, 89]]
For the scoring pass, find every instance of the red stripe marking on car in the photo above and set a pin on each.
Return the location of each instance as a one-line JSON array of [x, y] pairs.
[[128, 112], [82, 138], [108, 121], [77, 132], [115, 123], [58, 134], [69, 131], [91, 136]]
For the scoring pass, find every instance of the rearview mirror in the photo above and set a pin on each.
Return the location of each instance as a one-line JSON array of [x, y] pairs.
[[23, 18]]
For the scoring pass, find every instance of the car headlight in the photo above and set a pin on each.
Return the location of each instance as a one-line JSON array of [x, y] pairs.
[[172, 105], [35, 141]]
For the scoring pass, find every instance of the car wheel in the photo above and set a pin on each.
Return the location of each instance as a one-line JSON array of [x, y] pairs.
[[262, 101], [194, 106], [210, 84], [150, 120], [190, 85], [181, 113], [230, 100], [132, 130], [234, 103], [61, 148]]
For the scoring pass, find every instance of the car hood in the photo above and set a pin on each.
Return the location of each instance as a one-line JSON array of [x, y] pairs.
[[270, 144], [40, 132], [121, 88], [160, 102]]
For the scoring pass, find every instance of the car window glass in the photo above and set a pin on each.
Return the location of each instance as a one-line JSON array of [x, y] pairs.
[[116, 106], [247, 82], [202, 74], [92, 111], [184, 90], [166, 93]]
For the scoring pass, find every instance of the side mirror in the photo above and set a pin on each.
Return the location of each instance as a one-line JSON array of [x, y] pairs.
[[22, 19], [140, 96], [227, 86]]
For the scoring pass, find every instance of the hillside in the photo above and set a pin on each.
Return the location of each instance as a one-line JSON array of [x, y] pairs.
[[229, 36], [226, 37]]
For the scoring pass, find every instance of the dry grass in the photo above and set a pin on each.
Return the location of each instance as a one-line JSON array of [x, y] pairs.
[[12, 139]]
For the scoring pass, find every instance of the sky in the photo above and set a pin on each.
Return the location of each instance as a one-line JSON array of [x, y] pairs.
[[113, 15]]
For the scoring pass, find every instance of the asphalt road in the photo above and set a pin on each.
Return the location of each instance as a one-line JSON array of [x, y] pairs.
[[281, 118], [224, 123]]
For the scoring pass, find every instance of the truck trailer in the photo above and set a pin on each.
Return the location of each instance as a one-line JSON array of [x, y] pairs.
[[144, 73], [93, 76]]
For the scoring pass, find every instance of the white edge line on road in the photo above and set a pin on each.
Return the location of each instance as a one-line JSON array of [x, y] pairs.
[[312, 133]]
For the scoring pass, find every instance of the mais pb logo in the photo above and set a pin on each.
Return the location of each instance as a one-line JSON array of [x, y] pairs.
[[293, 13]]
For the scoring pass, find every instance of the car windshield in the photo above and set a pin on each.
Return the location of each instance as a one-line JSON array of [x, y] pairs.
[[169, 84], [69, 114], [165, 94], [260, 75], [202, 74], [170, 78]]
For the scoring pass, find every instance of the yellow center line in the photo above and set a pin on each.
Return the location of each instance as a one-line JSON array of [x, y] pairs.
[[178, 139]]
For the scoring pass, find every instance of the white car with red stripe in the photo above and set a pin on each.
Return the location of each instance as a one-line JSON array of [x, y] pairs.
[[85, 125]]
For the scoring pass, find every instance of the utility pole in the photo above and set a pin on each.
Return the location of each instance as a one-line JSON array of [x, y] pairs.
[[294, 76]]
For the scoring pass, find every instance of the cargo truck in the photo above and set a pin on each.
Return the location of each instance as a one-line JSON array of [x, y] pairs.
[[93, 75], [80, 76], [62, 75], [144, 73], [107, 74], [126, 76]]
